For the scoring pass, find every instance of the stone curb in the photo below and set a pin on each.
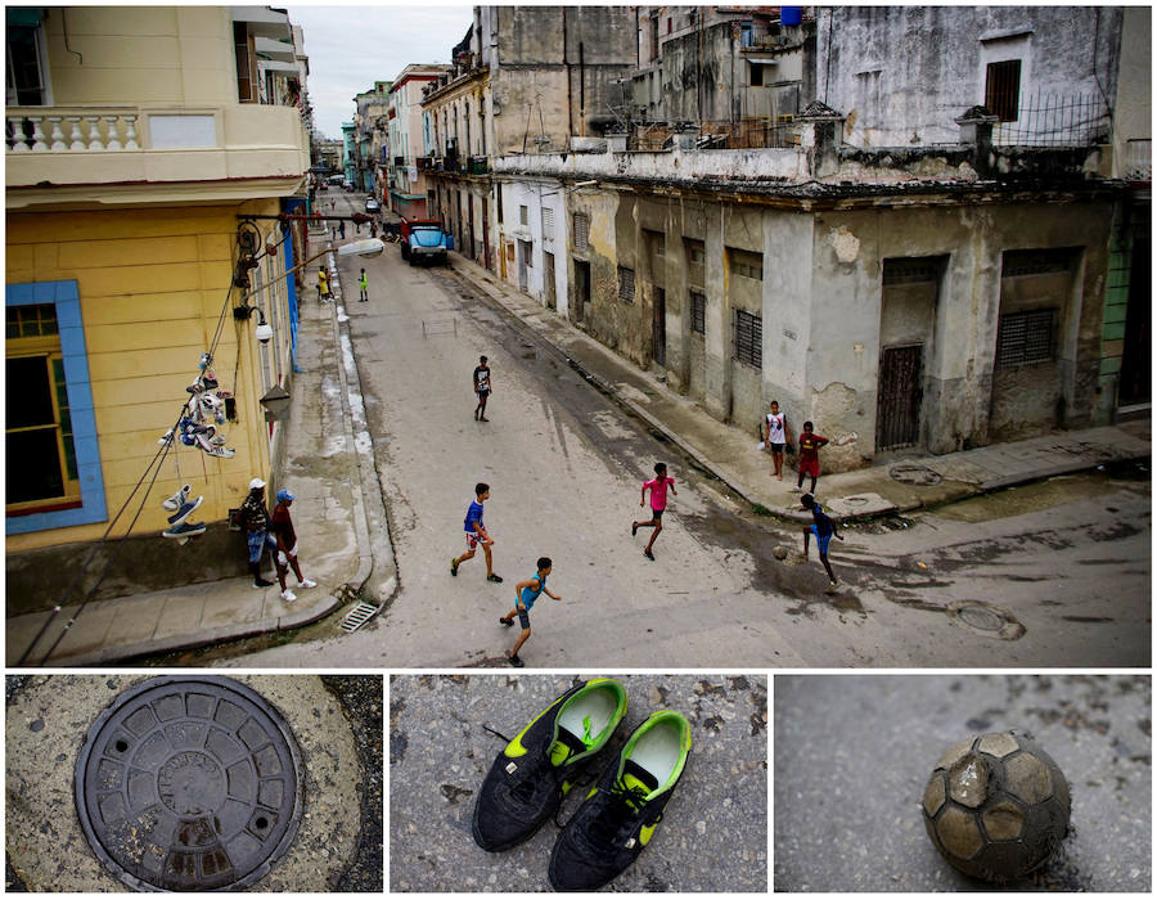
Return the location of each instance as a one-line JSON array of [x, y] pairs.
[[497, 293]]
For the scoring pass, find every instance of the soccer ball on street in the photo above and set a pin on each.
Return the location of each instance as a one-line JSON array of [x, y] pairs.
[[996, 806]]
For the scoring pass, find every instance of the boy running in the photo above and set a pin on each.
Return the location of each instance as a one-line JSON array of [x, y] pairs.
[[658, 487], [809, 455], [481, 388], [525, 595], [823, 528], [281, 524], [476, 534], [775, 436]]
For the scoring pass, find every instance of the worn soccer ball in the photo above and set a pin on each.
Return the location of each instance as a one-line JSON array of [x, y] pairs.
[[996, 806]]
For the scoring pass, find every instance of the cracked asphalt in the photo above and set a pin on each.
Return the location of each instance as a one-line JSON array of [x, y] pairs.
[[714, 831], [853, 754]]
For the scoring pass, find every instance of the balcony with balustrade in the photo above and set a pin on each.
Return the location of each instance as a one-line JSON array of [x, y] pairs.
[[123, 153]]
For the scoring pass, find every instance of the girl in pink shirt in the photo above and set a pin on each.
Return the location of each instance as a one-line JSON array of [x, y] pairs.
[[658, 487]]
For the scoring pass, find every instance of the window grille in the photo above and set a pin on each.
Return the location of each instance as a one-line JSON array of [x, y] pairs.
[[626, 284], [547, 222], [749, 338], [1025, 338], [913, 270], [1035, 262], [698, 312], [524, 215], [582, 232]]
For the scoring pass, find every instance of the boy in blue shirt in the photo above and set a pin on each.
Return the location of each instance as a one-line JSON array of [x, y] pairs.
[[476, 534], [823, 528], [525, 595]]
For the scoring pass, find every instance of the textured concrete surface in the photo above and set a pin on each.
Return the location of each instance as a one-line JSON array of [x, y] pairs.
[[714, 832], [853, 755], [47, 719]]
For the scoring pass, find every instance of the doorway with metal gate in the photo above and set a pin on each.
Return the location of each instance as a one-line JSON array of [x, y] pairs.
[[900, 394]]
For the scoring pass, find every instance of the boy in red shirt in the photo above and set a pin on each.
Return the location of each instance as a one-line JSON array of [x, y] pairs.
[[809, 455], [658, 487]]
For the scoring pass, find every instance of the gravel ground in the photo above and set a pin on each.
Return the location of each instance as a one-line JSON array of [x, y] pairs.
[[714, 831], [853, 754], [48, 716]]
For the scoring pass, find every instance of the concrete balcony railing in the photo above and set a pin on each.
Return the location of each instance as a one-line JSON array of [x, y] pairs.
[[58, 147]]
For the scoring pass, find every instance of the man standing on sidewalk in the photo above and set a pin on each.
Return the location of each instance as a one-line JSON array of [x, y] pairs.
[[255, 520]]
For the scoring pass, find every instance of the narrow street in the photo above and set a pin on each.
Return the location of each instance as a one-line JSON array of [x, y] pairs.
[[1015, 579]]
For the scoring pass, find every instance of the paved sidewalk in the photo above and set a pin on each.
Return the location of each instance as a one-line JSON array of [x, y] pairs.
[[321, 468], [900, 485]]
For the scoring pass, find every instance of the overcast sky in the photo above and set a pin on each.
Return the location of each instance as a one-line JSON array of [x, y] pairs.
[[351, 47]]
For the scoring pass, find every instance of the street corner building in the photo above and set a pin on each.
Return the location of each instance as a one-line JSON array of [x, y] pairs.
[[921, 228], [150, 152]]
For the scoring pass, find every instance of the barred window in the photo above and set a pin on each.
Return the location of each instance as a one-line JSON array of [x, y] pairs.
[[747, 265], [749, 338], [1025, 338], [582, 232], [547, 222], [698, 312], [626, 284]]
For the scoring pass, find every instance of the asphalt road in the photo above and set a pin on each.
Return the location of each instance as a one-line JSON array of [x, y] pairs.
[[853, 754], [714, 831], [337, 725], [1067, 571]]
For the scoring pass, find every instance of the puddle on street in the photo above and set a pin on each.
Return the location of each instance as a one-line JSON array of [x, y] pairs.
[[1018, 501]]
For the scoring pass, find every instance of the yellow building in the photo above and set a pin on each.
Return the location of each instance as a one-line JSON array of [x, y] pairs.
[[136, 138]]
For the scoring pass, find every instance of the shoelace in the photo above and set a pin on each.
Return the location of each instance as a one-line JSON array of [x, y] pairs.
[[621, 803]]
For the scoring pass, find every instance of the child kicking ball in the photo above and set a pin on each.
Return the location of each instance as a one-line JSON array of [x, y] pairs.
[[824, 529], [526, 593]]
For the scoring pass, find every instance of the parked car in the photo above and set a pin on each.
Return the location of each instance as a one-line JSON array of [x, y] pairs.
[[348, 186], [372, 205], [425, 240]]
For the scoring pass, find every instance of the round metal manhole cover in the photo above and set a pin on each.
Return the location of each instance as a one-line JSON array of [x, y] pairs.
[[189, 784], [986, 619]]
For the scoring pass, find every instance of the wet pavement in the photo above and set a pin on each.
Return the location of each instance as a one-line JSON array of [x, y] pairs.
[[48, 716], [853, 754], [714, 831]]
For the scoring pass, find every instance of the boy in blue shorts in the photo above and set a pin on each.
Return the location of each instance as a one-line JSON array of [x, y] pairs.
[[823, 528], [525, 595], [476, 535]]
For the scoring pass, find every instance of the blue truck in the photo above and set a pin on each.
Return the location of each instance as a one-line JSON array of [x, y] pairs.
[[425, 240]]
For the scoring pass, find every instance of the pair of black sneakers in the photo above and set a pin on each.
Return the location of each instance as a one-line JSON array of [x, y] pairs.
[[530, 777]]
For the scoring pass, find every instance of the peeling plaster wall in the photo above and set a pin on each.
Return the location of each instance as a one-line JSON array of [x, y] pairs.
[[665, 165], [535, 195], [958, 366], [901, 74]]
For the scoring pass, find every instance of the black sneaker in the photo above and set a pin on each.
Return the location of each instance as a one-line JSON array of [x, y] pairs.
[[621, 814], [529, 778], [497, 579]]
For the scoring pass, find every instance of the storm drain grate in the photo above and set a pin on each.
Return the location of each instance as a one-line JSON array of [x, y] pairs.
[[189, 784], [358, 616]]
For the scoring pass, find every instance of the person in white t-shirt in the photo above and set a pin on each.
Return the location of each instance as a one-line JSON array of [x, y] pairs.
[[776, 436]]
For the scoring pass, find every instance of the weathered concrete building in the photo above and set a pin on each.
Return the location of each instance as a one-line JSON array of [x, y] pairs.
[[370, 135], [524, 78], [733, 72], [933, 295], [407, 188]]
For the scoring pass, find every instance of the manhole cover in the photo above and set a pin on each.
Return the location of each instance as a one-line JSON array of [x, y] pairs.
[[914, 473], [987, 619], [189, 784]]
